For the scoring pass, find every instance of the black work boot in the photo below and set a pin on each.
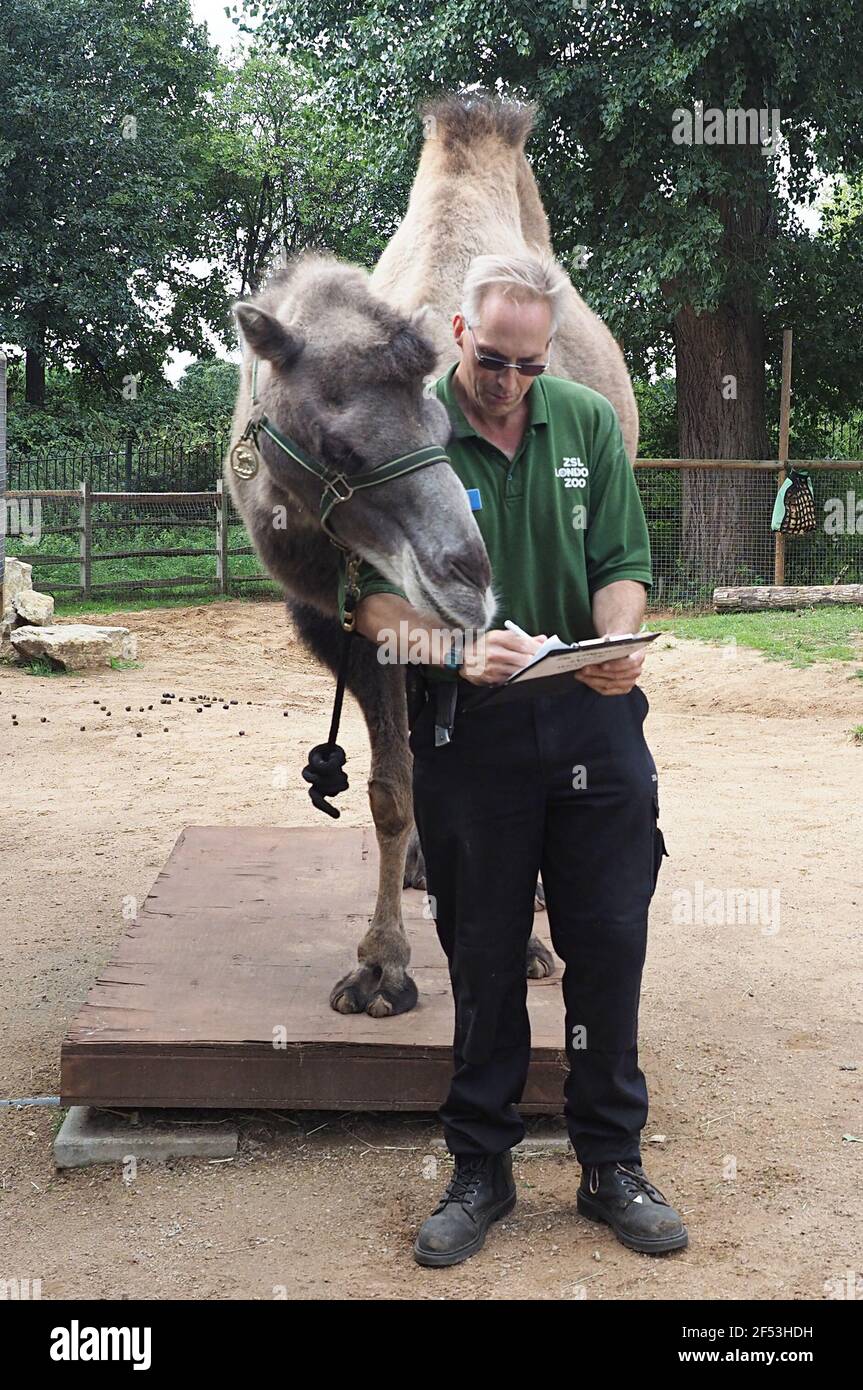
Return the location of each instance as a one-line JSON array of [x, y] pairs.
[[641, 1218], [481, 1190]]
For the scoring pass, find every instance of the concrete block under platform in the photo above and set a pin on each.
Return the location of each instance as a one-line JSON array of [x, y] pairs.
[[90, 1136], [217, 994]]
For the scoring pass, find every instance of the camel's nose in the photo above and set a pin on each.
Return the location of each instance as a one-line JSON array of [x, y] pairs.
[[467, 562]]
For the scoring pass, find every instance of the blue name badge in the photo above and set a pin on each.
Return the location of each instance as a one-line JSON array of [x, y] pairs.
[[474, 498]]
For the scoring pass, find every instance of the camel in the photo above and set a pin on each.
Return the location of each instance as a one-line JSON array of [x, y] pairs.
[[340, 361]]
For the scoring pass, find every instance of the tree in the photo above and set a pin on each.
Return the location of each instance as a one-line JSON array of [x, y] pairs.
[[103, 107], [694, 250], [286, 173]]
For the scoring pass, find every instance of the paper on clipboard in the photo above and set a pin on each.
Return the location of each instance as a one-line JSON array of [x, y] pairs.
[[591, 652], [552, 667]]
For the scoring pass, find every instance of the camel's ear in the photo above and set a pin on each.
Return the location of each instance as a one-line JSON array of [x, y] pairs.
[[408, 355], [419, 316], [268, 337]]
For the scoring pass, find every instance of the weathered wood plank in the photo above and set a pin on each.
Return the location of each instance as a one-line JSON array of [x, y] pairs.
[[238, 944]]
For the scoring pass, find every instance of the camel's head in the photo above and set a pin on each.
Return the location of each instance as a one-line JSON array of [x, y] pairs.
[[349, 380]]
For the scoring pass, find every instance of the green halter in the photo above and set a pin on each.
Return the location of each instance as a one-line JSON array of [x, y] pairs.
[[337, 487]]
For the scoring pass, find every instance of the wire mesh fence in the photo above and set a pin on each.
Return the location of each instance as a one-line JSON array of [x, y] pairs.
[[708, 521], [709, 526]]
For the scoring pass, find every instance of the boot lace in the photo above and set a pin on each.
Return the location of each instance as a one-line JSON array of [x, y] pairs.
[[634, 1182], [464, 1180]]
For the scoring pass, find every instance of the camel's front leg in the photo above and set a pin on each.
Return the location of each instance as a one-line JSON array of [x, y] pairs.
[[382, 986], [540, 961]]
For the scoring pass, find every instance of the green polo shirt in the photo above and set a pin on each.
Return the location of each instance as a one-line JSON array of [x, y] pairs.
[[559, 521]]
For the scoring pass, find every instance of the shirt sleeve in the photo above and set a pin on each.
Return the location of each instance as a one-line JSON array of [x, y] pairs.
[[370, 581], [617, 544]]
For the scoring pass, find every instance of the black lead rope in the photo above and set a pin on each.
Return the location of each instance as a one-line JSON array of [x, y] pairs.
[[325, 768]]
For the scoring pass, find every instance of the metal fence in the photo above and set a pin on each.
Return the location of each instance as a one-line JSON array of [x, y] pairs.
[[173, 465], [708, 521], [709, 526]]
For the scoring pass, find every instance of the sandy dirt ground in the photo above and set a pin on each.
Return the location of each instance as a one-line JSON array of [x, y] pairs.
[[750, 1029]]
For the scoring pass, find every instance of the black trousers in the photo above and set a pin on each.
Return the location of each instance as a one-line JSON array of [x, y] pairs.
[[563, 784]]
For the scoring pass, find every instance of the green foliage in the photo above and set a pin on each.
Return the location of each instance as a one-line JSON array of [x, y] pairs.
[[103, 105], [77, 417], [657, 414], [285, 171], [665, 224]]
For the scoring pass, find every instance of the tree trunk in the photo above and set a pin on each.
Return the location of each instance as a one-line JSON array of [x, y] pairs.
[[34, 376], [725, 516]]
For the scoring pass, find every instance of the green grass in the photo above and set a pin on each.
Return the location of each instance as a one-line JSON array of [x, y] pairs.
[[42, 667], [129, 573], [857, 733], [800, 637], [130, 603]]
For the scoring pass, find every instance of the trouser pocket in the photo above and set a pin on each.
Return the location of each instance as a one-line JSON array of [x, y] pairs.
[[659, 850]]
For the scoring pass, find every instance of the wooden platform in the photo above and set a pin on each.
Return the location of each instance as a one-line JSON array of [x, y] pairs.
[[244, 932]]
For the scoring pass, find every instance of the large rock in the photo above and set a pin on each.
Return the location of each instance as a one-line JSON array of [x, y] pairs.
[[33, 608], [17, 577], [76, 646]]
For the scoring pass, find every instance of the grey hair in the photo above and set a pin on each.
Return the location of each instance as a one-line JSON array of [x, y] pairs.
[[524, 277]]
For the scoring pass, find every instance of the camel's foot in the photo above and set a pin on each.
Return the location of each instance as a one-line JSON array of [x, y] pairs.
[[367, 990], [539, 896], [540, 961]]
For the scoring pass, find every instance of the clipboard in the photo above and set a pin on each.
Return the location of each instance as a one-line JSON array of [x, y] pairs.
[[552, 671]]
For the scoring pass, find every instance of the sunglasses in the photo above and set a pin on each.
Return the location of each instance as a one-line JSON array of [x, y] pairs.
[[491, 363]]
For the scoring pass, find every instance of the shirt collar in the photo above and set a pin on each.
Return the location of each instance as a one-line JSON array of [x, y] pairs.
[[461, 426]]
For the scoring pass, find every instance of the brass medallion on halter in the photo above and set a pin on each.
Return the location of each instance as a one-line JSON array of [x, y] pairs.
[[245, 459]]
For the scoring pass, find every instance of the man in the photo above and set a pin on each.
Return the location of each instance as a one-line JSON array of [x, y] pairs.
[[563, 784]]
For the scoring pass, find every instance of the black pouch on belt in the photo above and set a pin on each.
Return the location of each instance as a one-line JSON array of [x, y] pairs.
[[416, 691], [445, 695]]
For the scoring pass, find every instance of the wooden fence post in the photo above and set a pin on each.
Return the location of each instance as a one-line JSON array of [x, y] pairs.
[[222, 537], [784, 430], [85, 537]]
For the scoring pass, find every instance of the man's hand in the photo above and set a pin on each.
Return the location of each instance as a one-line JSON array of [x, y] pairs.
[[612, 677], [497, 655]]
